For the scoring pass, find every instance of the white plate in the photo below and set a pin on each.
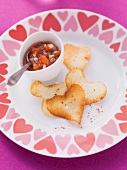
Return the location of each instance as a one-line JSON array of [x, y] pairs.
[[21, 118]]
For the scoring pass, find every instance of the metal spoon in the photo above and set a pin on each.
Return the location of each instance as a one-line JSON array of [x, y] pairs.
[[17, 75]]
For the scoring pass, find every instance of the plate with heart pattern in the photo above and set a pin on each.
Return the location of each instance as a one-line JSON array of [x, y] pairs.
[[104, 124]]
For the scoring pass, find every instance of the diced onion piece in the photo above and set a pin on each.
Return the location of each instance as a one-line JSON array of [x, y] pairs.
[[55, 52], [35, 59], [51, 46], [51, 56], [52, 60], [44, 66]]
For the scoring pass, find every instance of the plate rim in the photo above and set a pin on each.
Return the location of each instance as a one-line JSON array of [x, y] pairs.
[[52, 11]]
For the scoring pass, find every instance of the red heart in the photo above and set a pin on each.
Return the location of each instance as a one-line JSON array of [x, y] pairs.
[[85, 143], [18, 34], [106, 25], [21, 127], [3, 69], [85, 21], [1, 79], [123, 127], [115, 46], [47, 143], [3, 98], [3, 110], [51, 22], [123, 115]]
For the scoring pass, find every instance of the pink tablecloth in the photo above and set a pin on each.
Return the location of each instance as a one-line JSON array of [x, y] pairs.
[[14, 157]]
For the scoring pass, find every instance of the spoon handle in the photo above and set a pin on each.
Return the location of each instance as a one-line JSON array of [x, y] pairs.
[[17, 75]]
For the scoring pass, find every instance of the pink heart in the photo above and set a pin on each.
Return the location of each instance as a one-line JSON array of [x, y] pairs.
[[62, 141], [120, 33], [107, 37], [63, 15], [73, 149], [10, 47], [124, 56], [38, 134], [3, 87], [6, 126], [24, 138], [3, 57], [12, 114], [71, 24], [32, 30], [94, 31], [36, 22], [102, 140], [124, 46], [110, 128]]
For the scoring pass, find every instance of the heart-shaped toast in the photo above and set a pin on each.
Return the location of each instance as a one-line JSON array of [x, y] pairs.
[[38, 89], [76, 57], [69, 106], [94, 91]]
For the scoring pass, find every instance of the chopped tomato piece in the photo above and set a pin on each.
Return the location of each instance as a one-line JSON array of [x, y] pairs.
[[35, 67], [44, 60], [34, 49], [47, 48]]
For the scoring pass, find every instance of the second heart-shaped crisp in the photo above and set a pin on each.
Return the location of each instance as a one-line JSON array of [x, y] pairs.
[[94, 91], [69, 106]]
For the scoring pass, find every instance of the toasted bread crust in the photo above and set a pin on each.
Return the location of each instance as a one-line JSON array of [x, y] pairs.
[[44, 108]]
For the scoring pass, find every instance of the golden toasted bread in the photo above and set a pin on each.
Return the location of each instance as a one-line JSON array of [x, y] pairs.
[[69, 106], [44, 108], [94, 91], [38, 89], [76, 57]]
